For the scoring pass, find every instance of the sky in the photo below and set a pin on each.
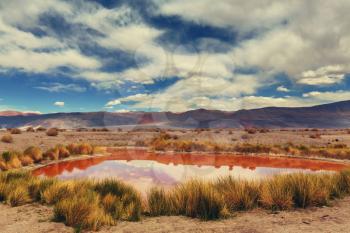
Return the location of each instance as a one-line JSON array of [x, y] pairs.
[[172, 55]]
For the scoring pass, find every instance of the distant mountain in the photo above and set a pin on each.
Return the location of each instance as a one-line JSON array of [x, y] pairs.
[[16, 113], [334, 115]]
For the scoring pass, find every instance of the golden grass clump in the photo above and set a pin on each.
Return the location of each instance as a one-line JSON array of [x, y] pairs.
[[10, 160], [53, 132], [238, 194], [63, 152], [160, 203], [85, 149], [26, 160], [34, 152], [82, 212], [7, 138], [127, 205], [198, 199], [52, 154], [18, 196]]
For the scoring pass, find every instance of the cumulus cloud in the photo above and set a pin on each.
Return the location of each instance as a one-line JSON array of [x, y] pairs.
[[59, 104]]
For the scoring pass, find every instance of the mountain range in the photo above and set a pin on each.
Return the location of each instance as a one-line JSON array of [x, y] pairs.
[[334, 115]]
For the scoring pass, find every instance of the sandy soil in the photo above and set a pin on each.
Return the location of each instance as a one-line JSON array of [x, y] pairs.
[[130, 138], [36, 218]]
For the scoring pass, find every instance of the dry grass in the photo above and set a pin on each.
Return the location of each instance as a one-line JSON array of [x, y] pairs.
[[92, 204], [7, 138], [13, 159], [165, 142]]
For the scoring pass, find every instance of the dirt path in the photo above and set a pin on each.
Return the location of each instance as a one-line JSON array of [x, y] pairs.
[[35, 218]]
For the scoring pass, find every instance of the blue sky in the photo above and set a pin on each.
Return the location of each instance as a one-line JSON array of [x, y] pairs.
[[172, 55]]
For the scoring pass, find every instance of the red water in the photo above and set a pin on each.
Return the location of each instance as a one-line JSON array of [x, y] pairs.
[[145, 169]]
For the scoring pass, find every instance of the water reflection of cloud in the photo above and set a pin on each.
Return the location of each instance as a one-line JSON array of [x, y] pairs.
[[145, 170]]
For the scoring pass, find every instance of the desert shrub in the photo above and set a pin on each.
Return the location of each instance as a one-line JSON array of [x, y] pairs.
[[251, 130], [315, 136], [59, 191], [30, 130], [18, 196], [198, 199], [85, 149], [73, 148], [34, 152], [37, 187], [41, 129], [82, 212], [7, 138], [160, 202], [63, 152], [11, 160], [52, 132], [25, 160], [238, 194], [130, 205], [275, 194], [15, 131], [52, 154]]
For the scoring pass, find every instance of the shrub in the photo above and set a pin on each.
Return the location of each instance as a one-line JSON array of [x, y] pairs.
[[82, 212], [276, 194], [11, 159], [30, 130], [197, 199], [73, 148], [53, 132], [160, 203], [41, 129], [7, 138], [34, 152], [52, 154], [18, 196], [63, 152], [130, 199], [85, 149], [238, 194], [25, 160], [15, 131]]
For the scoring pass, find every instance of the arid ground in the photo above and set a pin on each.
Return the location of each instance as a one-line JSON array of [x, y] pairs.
[[136, 137]]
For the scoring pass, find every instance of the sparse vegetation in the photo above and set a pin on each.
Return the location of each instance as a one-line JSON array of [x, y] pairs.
[[53, 132], [15, 131], [14, 159], [165, 142], [88, 204], [7, 138]]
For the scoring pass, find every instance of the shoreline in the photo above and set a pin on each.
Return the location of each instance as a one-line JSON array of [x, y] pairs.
[[145, 149]]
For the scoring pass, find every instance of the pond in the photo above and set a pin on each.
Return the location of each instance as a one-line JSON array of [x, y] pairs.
[[145, 169]]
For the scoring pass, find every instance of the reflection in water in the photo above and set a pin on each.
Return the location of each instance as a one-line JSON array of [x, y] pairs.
[[144, 169]]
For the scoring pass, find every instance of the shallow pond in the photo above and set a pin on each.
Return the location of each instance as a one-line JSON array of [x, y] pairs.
[[144, 170]]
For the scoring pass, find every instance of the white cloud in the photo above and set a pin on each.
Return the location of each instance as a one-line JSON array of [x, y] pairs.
[[59, 104], [59, 87], [282, 89], [241, 14], [113, 103]]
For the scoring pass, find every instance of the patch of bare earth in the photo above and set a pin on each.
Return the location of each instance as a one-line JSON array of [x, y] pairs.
[[31, 218], [37, 218]]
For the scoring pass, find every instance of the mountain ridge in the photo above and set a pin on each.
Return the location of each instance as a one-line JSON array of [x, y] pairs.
[[333, 115]]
